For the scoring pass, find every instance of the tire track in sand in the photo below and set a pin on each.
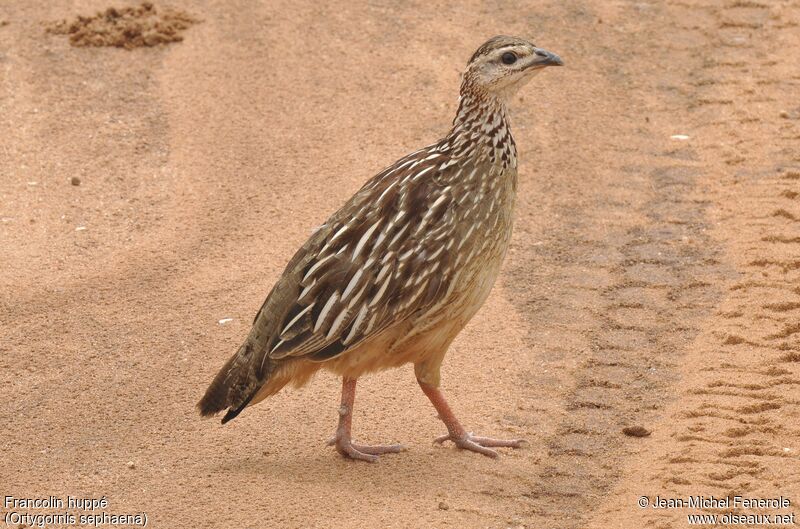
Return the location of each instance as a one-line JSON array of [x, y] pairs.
[[626, 271], [734, 430]]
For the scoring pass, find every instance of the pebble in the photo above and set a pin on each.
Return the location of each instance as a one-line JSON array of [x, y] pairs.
[[784, 114], [131, 464], [75, 181], [443, 506], [636, 431]]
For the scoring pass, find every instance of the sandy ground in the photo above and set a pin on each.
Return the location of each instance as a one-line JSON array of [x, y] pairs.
[[652, 281]]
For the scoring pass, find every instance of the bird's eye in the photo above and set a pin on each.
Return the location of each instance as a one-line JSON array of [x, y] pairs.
[[508, 58]]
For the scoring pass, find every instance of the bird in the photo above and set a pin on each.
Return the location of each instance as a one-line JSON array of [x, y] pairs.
[[395, 274]]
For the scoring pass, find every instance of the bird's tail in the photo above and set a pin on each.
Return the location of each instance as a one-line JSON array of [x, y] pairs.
[[234, 386]]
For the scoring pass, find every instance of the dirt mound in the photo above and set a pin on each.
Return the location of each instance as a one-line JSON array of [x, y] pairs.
[[128, 27]]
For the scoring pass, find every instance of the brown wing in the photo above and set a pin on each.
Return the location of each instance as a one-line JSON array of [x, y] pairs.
[[378, 260]]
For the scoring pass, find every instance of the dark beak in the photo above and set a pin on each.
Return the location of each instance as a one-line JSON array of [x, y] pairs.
[[545, 58]]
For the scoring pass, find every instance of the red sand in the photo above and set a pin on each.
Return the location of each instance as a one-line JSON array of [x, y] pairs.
[[653, 281]]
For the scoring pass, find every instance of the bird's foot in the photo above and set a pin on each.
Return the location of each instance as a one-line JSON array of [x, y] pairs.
[[370, 453], [468, 441]]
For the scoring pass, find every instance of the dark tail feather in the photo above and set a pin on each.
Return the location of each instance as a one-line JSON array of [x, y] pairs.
[[233, 388], [233, 412]]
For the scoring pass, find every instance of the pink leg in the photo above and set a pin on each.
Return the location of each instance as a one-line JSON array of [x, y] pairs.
[[343, 442], [457, 433]]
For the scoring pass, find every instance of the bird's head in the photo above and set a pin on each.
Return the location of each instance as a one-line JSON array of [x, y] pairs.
[[504, 64]]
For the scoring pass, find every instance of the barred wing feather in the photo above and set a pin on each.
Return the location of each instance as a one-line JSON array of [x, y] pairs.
[[381, 259]]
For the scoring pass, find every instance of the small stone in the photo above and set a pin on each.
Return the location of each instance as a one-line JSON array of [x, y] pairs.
[[732, 339], [131, 464], [443, 506], [224, 321], [784, 114], [636, 431], [75, 181]]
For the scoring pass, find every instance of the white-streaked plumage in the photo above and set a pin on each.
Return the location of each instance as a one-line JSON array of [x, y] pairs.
[[396, 273]]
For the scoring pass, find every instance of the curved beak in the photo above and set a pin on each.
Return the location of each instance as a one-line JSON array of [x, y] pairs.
[[544, 58]]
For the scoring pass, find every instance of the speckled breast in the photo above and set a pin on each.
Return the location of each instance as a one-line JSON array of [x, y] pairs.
[[486, 218]]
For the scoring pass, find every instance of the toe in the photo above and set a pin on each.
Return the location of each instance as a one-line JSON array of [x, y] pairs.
[[442, 438], [349, 451], [504, 443], [370, 453], [481, 444], [379, 449], [469, 444]]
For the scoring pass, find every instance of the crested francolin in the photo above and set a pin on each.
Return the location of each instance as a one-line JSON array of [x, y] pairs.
[[394, 275]]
